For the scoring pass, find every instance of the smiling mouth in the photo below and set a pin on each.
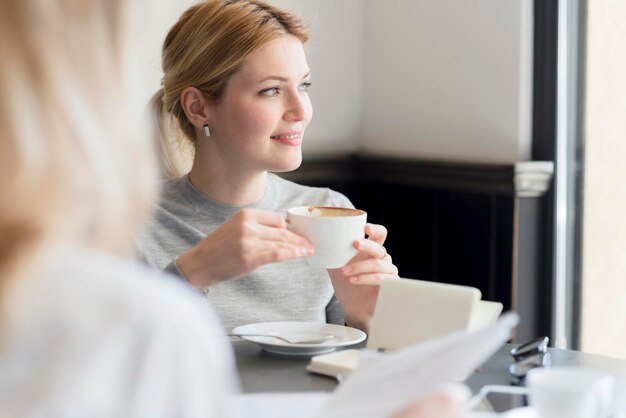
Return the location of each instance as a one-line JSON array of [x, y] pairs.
[[294, 136]]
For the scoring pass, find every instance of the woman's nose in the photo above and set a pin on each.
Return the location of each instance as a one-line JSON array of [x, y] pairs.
[[298, 108]]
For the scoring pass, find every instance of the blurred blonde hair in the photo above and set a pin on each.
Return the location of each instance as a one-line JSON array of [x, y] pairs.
[[76, 163], [204, 49]]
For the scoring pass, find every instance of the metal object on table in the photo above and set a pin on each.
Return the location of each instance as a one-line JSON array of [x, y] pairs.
[[528, 356]]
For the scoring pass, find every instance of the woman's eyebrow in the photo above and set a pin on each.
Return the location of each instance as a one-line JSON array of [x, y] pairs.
[[274, 77], [282, 79]]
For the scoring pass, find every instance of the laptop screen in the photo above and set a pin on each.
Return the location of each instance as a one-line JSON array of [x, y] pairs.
[[408, 311]]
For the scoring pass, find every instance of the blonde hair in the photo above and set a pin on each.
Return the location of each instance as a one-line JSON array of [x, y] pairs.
[[204, 49], [76, 164]]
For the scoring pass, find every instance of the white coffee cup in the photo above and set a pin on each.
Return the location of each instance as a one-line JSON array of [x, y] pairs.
[[331, 230], [570, 392]]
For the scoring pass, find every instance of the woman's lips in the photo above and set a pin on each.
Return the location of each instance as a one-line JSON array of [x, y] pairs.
[[288, 138]]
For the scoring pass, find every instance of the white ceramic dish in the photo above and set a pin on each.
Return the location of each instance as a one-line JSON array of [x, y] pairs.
[[339, 336]]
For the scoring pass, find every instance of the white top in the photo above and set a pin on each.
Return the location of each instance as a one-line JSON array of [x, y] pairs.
[[104, 337]]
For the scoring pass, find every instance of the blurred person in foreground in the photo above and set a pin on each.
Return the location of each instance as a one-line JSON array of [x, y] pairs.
[[84, 331]]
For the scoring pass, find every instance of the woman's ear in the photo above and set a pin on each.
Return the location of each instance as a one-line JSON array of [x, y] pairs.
[[195, 106]]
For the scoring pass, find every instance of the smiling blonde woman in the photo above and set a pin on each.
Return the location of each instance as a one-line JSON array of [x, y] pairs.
[[235, 96]]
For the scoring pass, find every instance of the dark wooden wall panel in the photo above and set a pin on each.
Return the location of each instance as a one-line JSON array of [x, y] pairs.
[[411, 218], [463, 241]]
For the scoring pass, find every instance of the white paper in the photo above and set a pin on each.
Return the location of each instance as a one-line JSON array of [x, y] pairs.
[[384, 383]]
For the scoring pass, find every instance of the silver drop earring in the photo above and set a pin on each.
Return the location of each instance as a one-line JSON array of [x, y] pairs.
[[207, 131]]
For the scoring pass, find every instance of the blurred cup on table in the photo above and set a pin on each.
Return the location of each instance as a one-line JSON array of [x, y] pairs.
[[570, 392], [331, 230]]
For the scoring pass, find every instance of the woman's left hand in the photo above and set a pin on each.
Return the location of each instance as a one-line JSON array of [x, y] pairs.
[[357, 283]]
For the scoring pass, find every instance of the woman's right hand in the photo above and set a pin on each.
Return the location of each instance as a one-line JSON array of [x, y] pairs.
[[249, 239]]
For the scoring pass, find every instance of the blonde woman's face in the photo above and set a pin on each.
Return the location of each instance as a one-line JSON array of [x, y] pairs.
[[260, 122]]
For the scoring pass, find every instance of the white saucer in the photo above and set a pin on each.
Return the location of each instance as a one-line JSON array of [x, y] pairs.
[[340, 337]]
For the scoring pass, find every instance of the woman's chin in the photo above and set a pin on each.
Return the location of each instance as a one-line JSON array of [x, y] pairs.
[[288, 164]]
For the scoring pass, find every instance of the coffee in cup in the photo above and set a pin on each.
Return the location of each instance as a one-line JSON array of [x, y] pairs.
[[331, 230]]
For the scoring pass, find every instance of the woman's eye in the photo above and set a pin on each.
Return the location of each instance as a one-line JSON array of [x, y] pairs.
[[304, 86], [272, 91]]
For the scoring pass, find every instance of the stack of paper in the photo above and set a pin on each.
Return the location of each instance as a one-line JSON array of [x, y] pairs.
[[384, 383], [337, 364]]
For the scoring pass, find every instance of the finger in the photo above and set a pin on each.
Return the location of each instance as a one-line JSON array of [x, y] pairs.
[[371, 248], [269, 233], [263, 217], [376, 233], [279, 253], [371, 265], [371, 279], [269, 226]]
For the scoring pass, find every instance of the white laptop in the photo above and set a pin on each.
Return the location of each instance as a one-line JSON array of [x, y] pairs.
[[484, 313], [409, 311]]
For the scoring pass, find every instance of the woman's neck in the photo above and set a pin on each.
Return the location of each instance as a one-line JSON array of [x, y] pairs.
[[233, 187]]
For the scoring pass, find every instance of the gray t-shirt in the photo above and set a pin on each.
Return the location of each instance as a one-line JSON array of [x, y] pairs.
[[288, 291]]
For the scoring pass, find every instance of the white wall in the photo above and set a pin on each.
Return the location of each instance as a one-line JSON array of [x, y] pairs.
[[448, 79]]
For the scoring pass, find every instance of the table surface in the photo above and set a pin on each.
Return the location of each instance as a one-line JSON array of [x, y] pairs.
[[261, 372]]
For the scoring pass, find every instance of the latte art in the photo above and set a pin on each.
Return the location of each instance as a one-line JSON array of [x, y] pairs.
[[333, 212]]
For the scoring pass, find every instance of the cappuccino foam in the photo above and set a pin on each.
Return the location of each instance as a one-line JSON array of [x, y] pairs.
[[333, 212]]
